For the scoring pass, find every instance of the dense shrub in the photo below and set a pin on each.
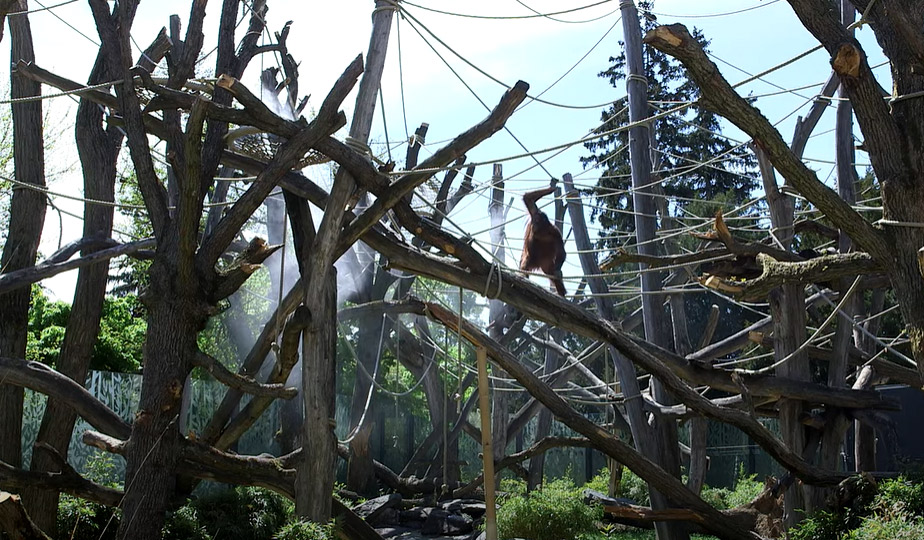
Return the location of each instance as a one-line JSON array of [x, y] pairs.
[[243, 513], [306, 530], [894, 513], [746, 489], [553, 512], [901, 526]]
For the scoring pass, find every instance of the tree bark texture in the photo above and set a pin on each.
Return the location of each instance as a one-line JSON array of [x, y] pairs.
[[655, 323], [314, 480], [500, 416], [175, 316], [98, 149], [27, 217]]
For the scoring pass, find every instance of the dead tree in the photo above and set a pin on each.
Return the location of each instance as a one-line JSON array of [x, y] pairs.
[[27, 216], [98, 148], [655, 323]]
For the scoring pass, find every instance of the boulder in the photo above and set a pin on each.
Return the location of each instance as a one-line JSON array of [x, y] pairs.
[[373, 509]]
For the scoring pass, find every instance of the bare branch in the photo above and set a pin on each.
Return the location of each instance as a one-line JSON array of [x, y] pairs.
[[818, 270], [327, 121], [244, 384], [66, 480], [442, 157], [27, 276], [45, 380], [719, 96]]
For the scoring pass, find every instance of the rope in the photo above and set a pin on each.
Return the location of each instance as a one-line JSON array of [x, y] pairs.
[[61, 94], [385, 5], [709, 15], [819, 330], [42, 189], [69, 25], [375, 372], [509, 17], [495, 266], [893, 223], [547, 16]]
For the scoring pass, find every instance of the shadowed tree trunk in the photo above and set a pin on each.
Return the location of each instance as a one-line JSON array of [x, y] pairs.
[[98, 149], [360, 475], [27, 216]]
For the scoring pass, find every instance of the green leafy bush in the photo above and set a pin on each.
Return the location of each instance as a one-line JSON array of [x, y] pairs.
[[747, 488], [184, 523], [78, 518], [600, 482], [633, 488], [553, 512], [900, 495], [306, 530], [894, 513], [820, 526], [243, 513], [900, 526]]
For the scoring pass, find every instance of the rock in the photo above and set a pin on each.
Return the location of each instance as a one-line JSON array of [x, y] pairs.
[[472, 507], [373, 509], [440, 521], [388, 516], [391, 532], [415, 516]]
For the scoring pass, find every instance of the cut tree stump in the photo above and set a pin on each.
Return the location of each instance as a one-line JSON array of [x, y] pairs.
[[15, 522]]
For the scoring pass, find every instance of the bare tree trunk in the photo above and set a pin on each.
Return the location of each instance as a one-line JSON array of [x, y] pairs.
[[27, 217], [788, 313], [836, 425], [98, 149], [544, 423], [360, 475], [496, 312], [642, 435], [314, 481], [552, 362], [174, 319], [645, 227]]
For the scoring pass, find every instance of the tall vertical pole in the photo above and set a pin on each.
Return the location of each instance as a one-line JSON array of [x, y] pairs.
[[314, 483], [496, 308], [656, 329], [487, 455]]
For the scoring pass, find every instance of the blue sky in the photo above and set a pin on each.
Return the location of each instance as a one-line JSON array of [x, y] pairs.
[[326, 36]]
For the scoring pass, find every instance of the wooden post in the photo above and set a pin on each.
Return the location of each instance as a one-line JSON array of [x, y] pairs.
[[496, 308], [656, 329], [315, 475], [787, 308], [625, 370], [360, 470], [487, 455], [835, 431], [311, 481]]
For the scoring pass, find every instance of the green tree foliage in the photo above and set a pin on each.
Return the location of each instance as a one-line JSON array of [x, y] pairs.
[[684, 146], [683, 141], [121, 335]]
